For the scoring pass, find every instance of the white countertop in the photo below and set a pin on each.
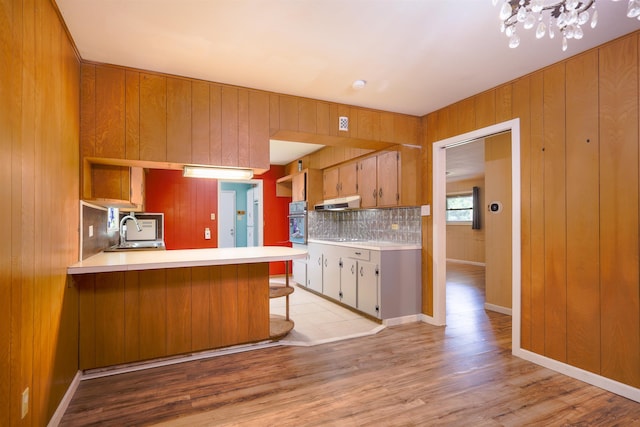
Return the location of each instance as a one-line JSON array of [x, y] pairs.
[[371, 244], [150, 260]]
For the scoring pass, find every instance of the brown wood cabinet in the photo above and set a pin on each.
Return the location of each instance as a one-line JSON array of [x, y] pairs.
[[115, 186], [389, 178], [340, 181], [134, 115], [302, 186]]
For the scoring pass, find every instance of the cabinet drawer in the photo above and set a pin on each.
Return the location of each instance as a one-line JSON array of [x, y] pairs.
[[356, 253]]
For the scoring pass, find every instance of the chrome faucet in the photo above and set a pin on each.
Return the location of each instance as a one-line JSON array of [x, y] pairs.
[[123, 226]]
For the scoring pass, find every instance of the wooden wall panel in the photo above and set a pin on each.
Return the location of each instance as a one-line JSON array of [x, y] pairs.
[[109, 319], [216, 306], [179, 309], [288, 109], [466, 116], [215, 124], [619, 275], [132, 115], [153, 314], [498, 235], [110, 112], [229, 118], [521, 109], [39, 124], [259, 129], [88, 110], [131, 316], [200, 116], [258, 316], [555, 213], [201, 309], [178, 120], [323, 118], [307, 115], [485, 107], [244, 155], [583, 272], [368, 125], [229, 309], [243, 307], [87, 345], [537, 216], [153, 117]]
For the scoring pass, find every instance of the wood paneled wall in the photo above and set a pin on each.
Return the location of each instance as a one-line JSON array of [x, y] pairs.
[[579, 124], [39, 121], [139, 315], [464, 243]]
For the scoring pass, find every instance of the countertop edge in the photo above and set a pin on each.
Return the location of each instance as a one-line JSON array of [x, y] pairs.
[[105, 262]]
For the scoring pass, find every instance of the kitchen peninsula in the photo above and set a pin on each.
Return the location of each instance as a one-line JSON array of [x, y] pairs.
[[140, 305]]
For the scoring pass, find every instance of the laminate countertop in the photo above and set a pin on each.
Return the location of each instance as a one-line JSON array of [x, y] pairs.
[[150, 260]]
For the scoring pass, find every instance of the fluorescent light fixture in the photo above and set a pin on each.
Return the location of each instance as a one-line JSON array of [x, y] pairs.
[[217, 173]]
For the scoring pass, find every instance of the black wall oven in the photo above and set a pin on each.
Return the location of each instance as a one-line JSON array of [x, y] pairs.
[[298, 222]]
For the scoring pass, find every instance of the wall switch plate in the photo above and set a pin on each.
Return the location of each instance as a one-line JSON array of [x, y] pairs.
[[425, 210], [25, 402], [91, 231], [213, 217], [207, 233]]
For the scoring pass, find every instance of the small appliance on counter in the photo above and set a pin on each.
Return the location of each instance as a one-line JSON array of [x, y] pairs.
[[140, 231], [298, 222]]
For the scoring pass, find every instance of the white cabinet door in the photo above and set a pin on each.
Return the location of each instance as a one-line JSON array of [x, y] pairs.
[[314, 267], [348, 280], [331, 273], [368, 284]]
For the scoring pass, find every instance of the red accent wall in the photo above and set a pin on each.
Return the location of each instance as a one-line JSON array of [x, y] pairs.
[[187, 204]]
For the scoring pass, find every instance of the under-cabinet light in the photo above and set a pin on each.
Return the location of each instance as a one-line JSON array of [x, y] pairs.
[[217, 173]]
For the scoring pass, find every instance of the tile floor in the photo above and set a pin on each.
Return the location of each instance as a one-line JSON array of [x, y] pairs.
[[318, 320]]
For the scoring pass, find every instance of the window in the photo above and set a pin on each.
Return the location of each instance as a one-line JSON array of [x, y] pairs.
[[460, 208]]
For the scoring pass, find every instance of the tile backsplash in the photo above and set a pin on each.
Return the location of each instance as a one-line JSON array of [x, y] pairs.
[[387, 225]]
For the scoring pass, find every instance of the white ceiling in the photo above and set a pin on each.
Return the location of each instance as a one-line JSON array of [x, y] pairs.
[[416, 55]]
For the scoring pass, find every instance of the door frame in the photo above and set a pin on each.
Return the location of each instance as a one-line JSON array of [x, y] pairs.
[[439, 221], [259, 185]]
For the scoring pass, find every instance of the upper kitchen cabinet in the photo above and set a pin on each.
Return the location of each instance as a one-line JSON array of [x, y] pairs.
[[146, 117], [389, 178], [304, 186], [340, 181]]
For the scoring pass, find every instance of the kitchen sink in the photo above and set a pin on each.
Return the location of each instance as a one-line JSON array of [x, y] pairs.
[[138, 246]]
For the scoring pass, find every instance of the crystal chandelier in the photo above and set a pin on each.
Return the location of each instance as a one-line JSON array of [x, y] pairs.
[[548, 16]]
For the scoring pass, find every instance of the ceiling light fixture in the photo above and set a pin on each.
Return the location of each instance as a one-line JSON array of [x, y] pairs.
[[565, 16], [359, 84], [217, 172]]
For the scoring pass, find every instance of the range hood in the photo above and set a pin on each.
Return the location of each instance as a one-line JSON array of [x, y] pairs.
[[340, 204]]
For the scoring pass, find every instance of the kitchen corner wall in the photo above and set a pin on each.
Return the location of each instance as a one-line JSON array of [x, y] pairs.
[[368, 224], [39, 122]]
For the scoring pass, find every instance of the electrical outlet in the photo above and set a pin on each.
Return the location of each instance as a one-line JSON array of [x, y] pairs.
[[25, 402], [207, 233], [91, 231], [395, 226], [213, 217]]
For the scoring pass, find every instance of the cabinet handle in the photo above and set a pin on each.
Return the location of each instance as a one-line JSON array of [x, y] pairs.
[[337, 187], [361, 272], [319, 261], [352, 268], [380, 193], [375, 193], [325, 262], [358, 253]]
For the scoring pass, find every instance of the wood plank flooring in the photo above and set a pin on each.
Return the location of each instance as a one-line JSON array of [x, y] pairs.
[[409, 375]]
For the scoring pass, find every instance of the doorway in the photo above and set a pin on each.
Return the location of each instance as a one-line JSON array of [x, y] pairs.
[[439, 220], [240, 211]]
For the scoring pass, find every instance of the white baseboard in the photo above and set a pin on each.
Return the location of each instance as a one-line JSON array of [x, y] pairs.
[[394, 321], [580, 374], [66, 400], [497, 308], [429, 319], [463, 261]]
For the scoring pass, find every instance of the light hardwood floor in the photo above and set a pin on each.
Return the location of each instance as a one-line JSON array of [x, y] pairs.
[[410, 375]]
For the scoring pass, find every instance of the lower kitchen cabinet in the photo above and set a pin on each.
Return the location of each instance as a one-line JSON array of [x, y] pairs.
[[314, 268], [300, 266], [381, 283]]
